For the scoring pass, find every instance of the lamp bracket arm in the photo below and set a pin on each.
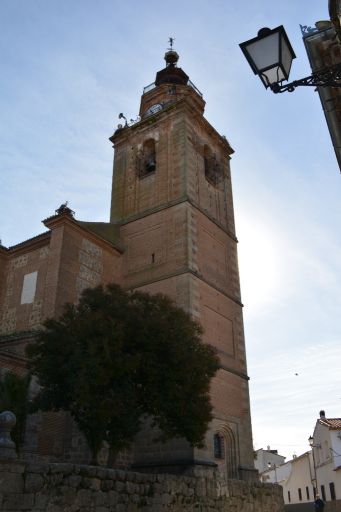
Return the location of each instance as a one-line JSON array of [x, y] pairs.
[[330, 77]]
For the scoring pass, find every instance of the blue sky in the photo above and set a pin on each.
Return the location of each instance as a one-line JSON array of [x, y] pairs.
[[69, 68]]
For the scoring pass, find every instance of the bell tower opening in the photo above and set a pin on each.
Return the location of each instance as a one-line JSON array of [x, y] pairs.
[[146, 159]]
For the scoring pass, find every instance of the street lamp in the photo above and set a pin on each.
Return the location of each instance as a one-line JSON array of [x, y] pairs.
[[312, 446], [273, 466], [270, 56]]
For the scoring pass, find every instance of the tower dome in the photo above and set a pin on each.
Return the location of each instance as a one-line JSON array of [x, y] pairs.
[[171, 74]]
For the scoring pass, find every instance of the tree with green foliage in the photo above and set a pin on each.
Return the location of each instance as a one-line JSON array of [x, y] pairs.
[[118, 356], [14, 397]]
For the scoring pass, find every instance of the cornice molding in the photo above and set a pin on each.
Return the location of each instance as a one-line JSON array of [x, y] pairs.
[[171, 204]]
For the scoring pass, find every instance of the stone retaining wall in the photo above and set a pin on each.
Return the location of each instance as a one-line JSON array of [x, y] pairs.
[[32, 487]]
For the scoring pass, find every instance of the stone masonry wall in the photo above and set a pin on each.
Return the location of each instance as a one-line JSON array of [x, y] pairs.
[[32, 487]]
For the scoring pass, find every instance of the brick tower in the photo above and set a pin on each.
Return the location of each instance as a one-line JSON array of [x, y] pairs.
[[172, 199]]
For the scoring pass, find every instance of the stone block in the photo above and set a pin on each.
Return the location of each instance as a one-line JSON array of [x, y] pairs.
[[111, 473], [120, 486], [123, 498], [41, 501], [11, 482], [54, 508], [37, 467], [166, 499], [135, 498], [95, 484], [89, 471], [74, 480], [157, 488], [131, 487], [68, 494], [84, 498], [56, 479], [140, 477], [121, 475], [64, 468], [157, 499], [101, 499], [12, 467], [200, 488], [33, 482], [85, 483], [102, 473], [76, 469], [113, 498], [107, 485], [18, 502]]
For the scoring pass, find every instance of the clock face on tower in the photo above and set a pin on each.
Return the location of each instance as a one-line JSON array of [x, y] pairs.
[[153, 109]]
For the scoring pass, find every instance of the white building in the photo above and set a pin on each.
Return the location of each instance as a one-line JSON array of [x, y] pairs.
[[264, 458], [326, 446], [298, 487], [317, 469], [296, 478]]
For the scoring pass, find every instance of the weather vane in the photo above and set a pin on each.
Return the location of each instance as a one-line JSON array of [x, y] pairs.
[[171, 42]]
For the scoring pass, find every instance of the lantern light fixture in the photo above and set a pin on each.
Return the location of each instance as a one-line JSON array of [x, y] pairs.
[[270, 56]]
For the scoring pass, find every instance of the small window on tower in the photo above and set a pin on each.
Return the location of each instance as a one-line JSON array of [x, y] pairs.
[[207, 160], [219, 446], [146, 159], [213, 169]]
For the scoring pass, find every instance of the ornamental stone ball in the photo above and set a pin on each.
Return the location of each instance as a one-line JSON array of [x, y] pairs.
[[7, 446]]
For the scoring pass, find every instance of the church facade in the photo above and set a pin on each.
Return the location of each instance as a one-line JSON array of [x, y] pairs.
[[172, 231]]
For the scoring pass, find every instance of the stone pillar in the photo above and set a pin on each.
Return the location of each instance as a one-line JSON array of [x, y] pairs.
[[7, 446]]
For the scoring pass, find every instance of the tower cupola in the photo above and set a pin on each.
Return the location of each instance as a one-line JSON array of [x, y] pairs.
[[171, 84]]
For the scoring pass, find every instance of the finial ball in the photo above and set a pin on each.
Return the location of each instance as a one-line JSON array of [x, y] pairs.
[[171, 58]]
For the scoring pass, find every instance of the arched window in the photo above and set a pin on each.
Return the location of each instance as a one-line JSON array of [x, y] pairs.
[[219, 446], [146, 159], [225, 448]]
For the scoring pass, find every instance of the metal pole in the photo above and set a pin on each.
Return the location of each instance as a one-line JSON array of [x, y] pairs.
[[316, 489]]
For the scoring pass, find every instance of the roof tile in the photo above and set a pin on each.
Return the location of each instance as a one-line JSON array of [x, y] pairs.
[[332, 423]]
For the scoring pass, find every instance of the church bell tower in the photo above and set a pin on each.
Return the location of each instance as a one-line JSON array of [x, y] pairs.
[[172, 199]]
